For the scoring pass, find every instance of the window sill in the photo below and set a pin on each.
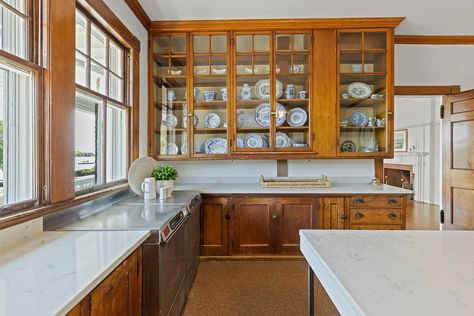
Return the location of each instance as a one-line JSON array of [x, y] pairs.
[[19, 216]]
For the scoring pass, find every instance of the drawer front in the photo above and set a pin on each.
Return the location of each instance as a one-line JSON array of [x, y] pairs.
[[376, 227], [376, 201], [375, 216]]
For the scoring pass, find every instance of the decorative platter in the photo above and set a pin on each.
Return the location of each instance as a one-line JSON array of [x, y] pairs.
[[282, 140], [254, 140], [245, 119], [212, 120], [139, 170], [171, 120], [359, 118], [171, 149], [262, 114], [216, 146], [262, 89], [348, 146], [296, 117], [359, 90]]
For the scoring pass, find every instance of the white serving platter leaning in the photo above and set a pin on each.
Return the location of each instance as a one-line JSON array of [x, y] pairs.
[[139, 170]]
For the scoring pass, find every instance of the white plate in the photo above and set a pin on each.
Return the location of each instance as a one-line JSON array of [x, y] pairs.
[[359, 90], [262, 89], [282, 140], [296, 117], [184, 149], [253, 140], [262, 114], [139, 170], [216, 146], [171, 120], [212, 120], [172, 149]]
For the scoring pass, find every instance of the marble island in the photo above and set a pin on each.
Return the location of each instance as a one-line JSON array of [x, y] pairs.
[[393, 272], [48, 273]]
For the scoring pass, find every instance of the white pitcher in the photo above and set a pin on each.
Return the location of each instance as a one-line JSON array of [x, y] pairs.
[[149, 188]]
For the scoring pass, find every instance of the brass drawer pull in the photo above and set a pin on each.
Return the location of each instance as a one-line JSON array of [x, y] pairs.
[[359, 201], [392, 215], [392, 201], [359, 215]]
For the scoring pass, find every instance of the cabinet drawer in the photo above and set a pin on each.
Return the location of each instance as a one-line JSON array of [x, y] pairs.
[[375, 216], [376, 201], [376, 227]]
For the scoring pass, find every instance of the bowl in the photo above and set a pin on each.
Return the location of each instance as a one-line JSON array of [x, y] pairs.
[[217, 71], [175, 72], [209, 95]]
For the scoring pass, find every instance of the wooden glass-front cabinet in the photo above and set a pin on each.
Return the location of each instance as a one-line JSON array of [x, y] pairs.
[[365, 92], [256, 94]]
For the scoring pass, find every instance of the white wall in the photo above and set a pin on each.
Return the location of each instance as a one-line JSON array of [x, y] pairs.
[[420, 115], [121, 9]]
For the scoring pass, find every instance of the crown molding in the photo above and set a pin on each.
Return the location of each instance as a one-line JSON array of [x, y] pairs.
[[139, 12], [435, 39]]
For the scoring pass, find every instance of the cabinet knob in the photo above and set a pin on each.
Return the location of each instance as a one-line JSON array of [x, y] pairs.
[[392, 201], [359, 215], [344, 216], [359, 201], [227, 216], [392, 215], [275, 216]]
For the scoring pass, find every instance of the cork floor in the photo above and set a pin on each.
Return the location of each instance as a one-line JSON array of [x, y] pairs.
[[249, 288]]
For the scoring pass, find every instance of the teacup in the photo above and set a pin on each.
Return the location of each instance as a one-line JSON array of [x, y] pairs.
[[209, 95], [302, 94], [380, 122], [224, 94], [344, 122]]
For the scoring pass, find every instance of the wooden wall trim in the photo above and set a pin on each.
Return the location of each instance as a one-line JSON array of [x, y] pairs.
[[139, 12], [427, 90], [273, 24], [135, 103], [101, 12], [435, 39]]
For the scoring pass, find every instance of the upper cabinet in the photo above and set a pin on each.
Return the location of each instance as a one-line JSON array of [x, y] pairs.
[[276, 93], [365, 92]]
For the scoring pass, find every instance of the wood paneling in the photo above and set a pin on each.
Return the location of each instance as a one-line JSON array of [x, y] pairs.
[[81, 309], [375, 216], [325, 90], [435, 39], [458, 164], [294, 213], [135, 104], [139, 12], [59, 79], [215, 219], [272, 24], [334, 212], [427, 90], [253, 227]]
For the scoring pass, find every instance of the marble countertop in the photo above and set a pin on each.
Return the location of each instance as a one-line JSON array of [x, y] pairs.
[[50, 272], [394, 272], [255, 188]]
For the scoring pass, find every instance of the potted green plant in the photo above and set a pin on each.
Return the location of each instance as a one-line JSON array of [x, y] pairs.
[[165, 176]]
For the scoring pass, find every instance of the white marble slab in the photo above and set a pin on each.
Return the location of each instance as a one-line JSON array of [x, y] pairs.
[[394, 272], [255, 188], [53, 271]]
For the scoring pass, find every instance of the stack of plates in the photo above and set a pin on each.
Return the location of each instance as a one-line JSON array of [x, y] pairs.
[[216, 146]]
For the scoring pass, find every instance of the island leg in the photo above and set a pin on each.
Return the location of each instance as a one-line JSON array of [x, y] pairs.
[[310, 291]]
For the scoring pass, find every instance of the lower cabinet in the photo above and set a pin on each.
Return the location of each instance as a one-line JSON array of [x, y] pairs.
[[266, 224], [119, 294]]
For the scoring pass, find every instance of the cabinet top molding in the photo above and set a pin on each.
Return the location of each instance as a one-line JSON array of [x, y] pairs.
[[273, 24]]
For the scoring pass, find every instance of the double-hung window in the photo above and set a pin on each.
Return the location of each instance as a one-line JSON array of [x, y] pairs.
[[102, 110]]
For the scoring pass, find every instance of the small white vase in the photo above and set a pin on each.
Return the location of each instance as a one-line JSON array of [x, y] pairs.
[[165, 184]]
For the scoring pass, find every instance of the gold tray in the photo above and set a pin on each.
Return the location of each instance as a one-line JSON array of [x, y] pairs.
[[283, 182]]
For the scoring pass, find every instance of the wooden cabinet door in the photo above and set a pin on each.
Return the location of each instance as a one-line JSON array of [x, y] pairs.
[[335, 215], [458, 161], [215, 218], [253, 227], [120, 292], [294, 213]]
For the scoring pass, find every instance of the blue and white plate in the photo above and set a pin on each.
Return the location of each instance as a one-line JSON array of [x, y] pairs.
[[359, 118], [359, 90], [266, 142], [216, 146], [245, 119], [254, 140], [282, 140], [297, 117], [348, 146], [171, 120], [202, 148], [240, 142], [212, 120], [171, 149], [262, 114]]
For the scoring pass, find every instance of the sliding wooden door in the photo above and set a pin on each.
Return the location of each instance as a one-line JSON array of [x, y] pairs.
[[458, 161]]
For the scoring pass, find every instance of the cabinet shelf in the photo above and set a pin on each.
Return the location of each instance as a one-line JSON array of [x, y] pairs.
[[172, 130], [362, 102], [206, 105], [165, 60], [170, 81], [361, 128], [218, 130]]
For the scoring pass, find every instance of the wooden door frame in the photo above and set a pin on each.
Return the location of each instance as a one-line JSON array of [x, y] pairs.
[[416, 91]]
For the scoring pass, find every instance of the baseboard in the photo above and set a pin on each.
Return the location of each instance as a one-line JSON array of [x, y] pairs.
[[252, 258]]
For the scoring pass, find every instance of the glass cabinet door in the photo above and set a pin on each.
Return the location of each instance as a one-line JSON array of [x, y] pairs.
[[293, 83], [363, 96], [209, 120], [170, 106], [253, 91]]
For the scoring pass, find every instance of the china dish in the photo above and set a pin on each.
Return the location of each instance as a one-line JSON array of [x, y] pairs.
[[262, 89], [254, 140], [139, 170], [348, 146], [212, 120], [201, 70], [245, 119], [171, 149], [209, 95], [240, 142], [297, 117], [359, 118], [282, 140], [184, 149], [175, 72], [171, 120], [217, 71], [216, 146], [262, 114], [359, 90]]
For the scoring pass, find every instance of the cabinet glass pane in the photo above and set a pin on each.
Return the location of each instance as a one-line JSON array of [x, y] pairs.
[[171, 110], [261, 43], [210, 108], [363, 104], [283, 42], [300, 42], [244, 43], [201, 44]]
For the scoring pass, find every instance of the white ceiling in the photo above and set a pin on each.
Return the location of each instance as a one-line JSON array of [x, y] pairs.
[[426, 17]]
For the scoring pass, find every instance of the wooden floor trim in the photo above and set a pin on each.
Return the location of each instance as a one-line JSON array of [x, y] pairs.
[[435, 39], [252, 258]]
